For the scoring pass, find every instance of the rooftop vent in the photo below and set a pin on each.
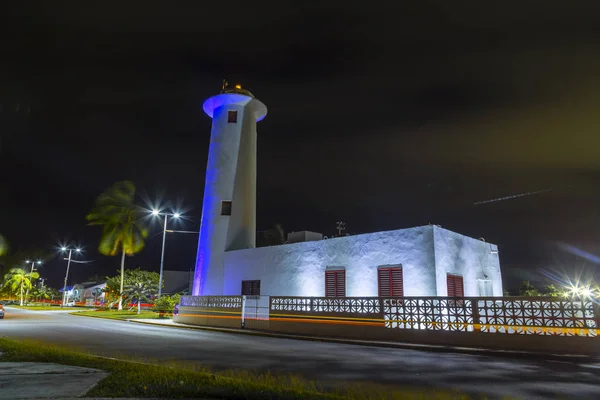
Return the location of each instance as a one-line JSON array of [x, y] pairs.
[[303, 236]]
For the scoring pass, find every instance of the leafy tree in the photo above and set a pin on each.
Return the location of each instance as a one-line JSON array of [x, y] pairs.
[[19, 280], [131, 276], [53, 293], [43, 293], [123, 229], [552, 291], [527, 289], [138, 292], [6, 292]]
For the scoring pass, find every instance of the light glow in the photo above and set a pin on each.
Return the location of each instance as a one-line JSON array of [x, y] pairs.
[[155, 212], [78, 250], [63, 248], [579, 291], [176, 215]]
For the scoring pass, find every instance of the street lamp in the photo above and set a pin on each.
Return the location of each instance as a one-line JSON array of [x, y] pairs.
[[31, 272], [33, 264], [175, 215], [78, 250]]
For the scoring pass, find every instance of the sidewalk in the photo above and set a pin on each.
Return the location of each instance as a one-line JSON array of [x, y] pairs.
[[573, 358], [46, 380], [50, 381]]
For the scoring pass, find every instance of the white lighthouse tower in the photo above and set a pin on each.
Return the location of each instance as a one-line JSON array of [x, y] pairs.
[[229, 207]]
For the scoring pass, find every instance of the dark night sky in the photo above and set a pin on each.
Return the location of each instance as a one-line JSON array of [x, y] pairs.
[[385, 118]]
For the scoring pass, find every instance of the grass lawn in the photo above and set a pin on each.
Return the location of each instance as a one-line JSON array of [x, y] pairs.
[[114, 314], [133, 379], [40, 308]]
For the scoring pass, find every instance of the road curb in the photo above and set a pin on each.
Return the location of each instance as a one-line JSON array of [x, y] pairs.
[[577, 359]]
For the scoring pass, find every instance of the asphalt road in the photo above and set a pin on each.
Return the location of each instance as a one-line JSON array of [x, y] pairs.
[[328, 363]]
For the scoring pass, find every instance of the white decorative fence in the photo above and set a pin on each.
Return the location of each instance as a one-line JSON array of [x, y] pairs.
[[211, 301], [500, 315], [538, 316]]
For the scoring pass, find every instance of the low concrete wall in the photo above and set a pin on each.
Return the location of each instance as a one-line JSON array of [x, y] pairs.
[[219, 317], [549, 326], [495, 341]]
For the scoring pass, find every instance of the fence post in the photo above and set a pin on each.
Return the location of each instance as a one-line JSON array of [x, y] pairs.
[[597, 318], [475, 314], [243, 310], [310, 305]]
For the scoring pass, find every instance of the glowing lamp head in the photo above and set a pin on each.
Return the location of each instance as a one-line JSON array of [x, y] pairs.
[[78, 250], [27, 261], [155, 212], [585, 292], [177, 215], [574, 290], [39, 262], [238, 86], [63, 249]]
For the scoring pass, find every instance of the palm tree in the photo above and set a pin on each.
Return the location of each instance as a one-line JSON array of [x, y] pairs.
[[52, 293], [18, 279], [3, 245], [139, 291], [123, 229], [43, 292]]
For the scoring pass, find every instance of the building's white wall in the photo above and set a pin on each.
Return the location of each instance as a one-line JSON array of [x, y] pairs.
[[471, 258], [298, 269]]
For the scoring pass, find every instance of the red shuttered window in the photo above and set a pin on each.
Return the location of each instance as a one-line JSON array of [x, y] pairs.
[[390, 282], [455, 285], [335, 283]]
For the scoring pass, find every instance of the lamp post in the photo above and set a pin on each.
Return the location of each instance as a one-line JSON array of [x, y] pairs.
[[30, 273], [162, 252], [78, 250]]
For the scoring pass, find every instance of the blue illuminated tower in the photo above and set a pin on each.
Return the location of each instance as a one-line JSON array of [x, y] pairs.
[[229, 207]]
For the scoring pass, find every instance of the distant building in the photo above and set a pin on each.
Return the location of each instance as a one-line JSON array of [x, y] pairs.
[[73, 292], [421, 261], [177, 281], [94, 292]]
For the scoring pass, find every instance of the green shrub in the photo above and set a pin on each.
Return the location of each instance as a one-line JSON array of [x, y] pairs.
[[166, 303]]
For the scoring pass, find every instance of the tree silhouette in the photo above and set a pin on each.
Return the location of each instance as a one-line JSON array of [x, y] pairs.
[[527, 289]]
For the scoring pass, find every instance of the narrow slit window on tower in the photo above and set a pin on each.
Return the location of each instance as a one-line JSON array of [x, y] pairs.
[[232, 117], [226, 207]]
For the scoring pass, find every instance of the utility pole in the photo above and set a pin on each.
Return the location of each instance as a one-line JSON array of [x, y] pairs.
[[69, 260], [341, 227]]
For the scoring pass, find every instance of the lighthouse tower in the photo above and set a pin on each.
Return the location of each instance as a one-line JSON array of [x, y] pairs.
[[229, 207]]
